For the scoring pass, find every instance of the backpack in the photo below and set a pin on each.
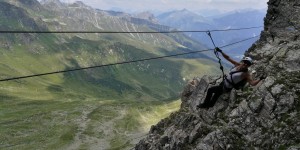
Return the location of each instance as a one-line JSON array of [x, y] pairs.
[[241, 84]]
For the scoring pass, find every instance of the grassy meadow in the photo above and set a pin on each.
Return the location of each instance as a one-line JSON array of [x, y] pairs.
[[79, 111]]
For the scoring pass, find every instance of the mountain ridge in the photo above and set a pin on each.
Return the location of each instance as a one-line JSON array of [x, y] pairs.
[[187, 20]]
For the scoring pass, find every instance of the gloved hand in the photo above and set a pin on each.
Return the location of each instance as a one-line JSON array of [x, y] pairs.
[[218, 49], [262, 77]]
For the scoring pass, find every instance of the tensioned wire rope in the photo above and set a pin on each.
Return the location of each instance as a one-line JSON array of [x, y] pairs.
[[171, 31], [124, 62]]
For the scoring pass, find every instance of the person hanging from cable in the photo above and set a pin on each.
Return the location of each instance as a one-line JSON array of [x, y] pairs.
[[237, 78]]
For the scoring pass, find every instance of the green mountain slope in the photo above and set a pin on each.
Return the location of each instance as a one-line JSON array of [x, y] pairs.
[[110, 106], [51, 52]]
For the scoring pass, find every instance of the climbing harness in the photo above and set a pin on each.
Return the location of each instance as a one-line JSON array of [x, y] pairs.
[[239, 85]]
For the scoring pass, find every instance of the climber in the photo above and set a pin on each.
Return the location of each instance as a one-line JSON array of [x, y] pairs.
[[237, 78]]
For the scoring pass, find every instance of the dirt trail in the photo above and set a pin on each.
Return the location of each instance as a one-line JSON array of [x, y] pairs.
[[82, 122], [94, 143]]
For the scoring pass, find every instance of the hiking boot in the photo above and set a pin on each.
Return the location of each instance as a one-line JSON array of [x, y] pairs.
[[188, 94], [201, 106]]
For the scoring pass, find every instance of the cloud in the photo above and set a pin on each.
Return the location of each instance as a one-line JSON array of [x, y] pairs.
[[164, 1], [165, 5]]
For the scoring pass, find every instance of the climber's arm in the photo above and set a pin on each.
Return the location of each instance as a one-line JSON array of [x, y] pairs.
[[227, 57], [251, 81]]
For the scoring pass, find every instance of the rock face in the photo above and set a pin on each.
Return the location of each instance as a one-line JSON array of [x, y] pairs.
[[263, 117]]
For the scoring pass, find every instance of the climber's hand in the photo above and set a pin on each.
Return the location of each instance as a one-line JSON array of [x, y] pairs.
[[218, 49], [262, 77]]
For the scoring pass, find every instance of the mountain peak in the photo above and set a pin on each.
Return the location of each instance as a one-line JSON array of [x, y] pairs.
[[53, 3], [80, 3], [182, 13], [147, 16], [32, 3], [186, 11], [177, 17]]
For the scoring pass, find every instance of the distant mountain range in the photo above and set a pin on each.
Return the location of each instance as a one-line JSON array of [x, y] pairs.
[[188, 20]]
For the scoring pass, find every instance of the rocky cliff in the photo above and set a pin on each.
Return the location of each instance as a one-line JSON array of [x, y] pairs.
[[266, 116]]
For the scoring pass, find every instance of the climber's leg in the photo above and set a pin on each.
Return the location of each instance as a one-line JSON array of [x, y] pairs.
[[207, 101]]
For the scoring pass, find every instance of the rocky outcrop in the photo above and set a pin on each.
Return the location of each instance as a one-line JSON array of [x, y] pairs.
[[263, 117]]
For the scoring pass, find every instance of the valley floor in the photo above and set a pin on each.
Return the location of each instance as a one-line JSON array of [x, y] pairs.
[[80, 124]]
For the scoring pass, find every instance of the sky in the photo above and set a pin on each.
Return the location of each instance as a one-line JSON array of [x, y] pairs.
[[167, 5]]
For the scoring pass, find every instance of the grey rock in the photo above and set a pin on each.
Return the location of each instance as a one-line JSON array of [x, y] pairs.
[[277, 89]]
